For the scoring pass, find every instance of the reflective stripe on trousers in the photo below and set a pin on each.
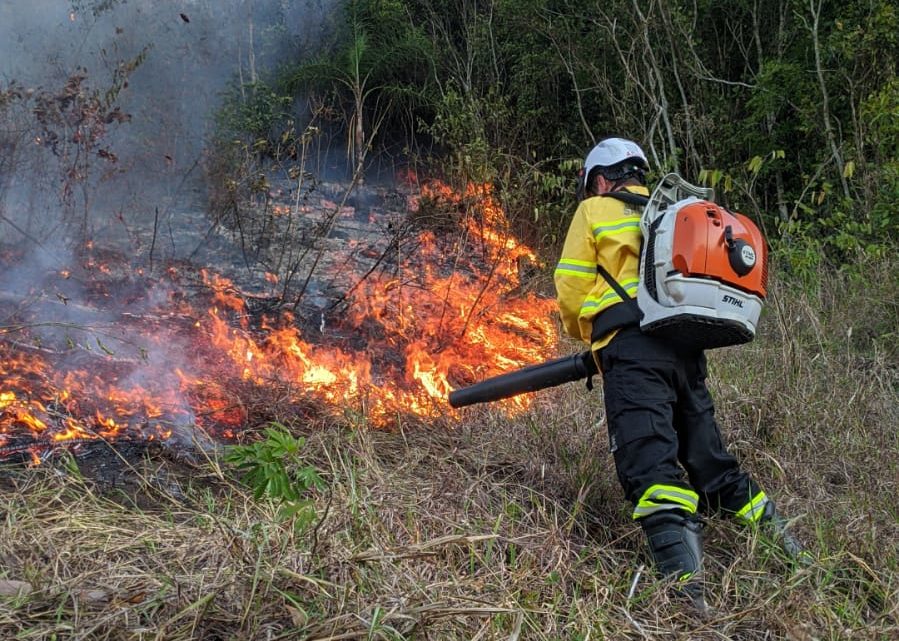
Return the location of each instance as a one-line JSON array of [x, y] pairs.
[[666, 497], [752, 511]]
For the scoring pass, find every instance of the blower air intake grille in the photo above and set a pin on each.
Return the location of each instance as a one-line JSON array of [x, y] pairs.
[[700, 332]]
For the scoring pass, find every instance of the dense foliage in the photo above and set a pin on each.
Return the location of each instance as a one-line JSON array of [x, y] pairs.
[[788, 107]]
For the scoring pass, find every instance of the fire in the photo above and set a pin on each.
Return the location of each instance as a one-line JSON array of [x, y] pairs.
[[451, 313]]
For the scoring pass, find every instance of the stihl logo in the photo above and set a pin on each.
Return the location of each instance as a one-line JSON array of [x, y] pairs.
[[736, 302]]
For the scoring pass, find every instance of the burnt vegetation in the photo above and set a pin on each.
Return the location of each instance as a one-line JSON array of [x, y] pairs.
[[256, 506]]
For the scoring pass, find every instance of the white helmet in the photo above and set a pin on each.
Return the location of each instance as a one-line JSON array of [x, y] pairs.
[[613, 151]]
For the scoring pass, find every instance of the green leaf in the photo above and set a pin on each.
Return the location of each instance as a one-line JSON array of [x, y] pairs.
[[755, 164]]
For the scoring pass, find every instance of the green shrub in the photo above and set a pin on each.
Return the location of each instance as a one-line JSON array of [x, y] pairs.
[[275, 468]]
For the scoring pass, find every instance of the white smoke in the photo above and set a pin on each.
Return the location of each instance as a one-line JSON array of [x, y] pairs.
[[178, 57]]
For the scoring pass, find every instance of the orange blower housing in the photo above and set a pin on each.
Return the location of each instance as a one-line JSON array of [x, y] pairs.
[[708, 240]]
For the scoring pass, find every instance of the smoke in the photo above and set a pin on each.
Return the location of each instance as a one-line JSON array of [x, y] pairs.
[[165, 65]]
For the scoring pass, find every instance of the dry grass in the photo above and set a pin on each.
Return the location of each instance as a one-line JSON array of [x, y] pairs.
[[493, 528]]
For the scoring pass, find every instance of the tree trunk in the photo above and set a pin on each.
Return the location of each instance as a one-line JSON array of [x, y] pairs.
[[815, 12], [359, 137]]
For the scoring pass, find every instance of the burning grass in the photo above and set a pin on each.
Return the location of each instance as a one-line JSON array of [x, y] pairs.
[[489, 527], [193, 345]]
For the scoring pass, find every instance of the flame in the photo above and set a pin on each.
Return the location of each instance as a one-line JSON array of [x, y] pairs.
[[453, 312]]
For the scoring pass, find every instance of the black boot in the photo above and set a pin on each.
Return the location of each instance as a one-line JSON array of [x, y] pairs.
[[778, 528], [675, 541]]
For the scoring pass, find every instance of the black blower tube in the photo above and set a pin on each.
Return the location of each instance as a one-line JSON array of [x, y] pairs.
[[569, 368]]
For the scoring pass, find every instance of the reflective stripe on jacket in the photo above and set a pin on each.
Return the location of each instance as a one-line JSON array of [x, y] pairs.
[[603, 231]]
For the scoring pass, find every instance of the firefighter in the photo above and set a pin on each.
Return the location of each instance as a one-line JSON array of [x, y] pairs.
[[660, 415]]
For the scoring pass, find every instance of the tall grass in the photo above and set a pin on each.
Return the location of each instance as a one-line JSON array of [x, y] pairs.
[[489, 527]]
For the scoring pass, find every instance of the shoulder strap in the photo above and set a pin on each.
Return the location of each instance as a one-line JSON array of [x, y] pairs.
[[628, 198], [614, 284], [617, 316]]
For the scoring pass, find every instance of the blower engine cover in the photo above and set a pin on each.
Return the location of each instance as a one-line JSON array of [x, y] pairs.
[[703, 273]]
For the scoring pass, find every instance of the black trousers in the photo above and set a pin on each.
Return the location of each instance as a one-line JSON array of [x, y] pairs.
[[661, 422]]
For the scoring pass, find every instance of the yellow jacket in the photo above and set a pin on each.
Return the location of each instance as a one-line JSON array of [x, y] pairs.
[[604, 231]]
